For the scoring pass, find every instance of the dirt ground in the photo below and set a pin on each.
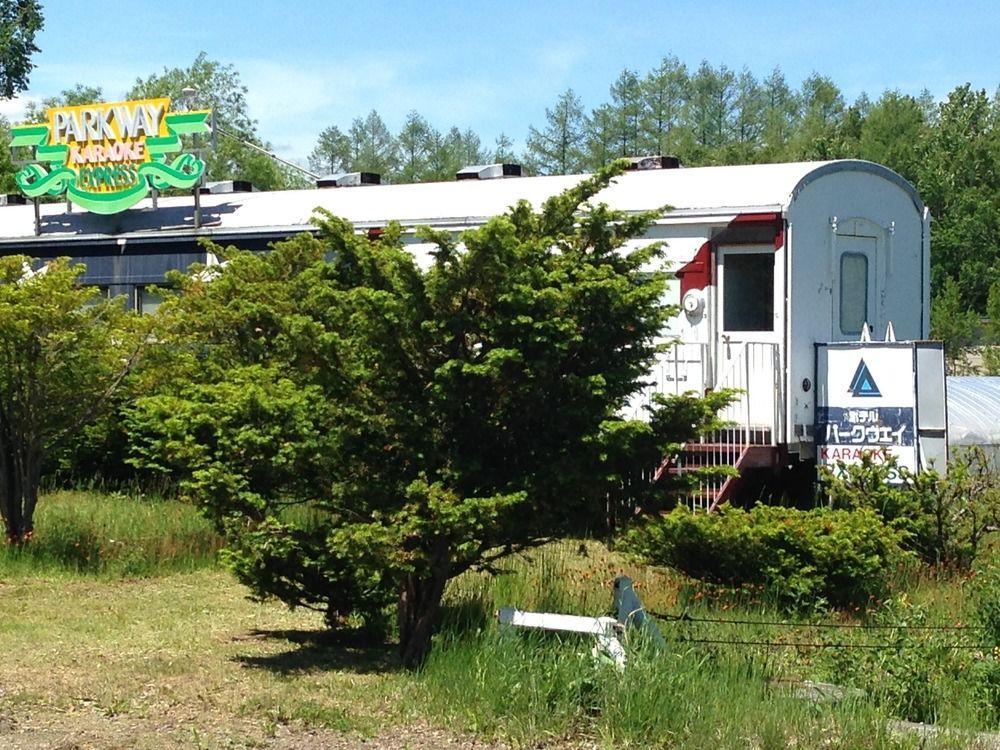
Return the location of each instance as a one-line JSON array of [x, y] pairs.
[[90, 730]]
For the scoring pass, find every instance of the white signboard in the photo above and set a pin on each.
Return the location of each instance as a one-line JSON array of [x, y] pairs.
[[866, 404]]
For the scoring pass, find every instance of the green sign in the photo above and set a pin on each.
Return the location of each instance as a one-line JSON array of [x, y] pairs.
[[107, 157]]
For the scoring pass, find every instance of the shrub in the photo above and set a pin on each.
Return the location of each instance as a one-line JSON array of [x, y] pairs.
[[944, 519], [807, 559]]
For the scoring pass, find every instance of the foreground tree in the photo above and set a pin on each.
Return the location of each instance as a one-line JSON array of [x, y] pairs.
[[63, 354], [364, 430]]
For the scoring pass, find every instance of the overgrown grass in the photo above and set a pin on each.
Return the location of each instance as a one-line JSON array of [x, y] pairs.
[[113, 534], [136, 648], [524, 686]]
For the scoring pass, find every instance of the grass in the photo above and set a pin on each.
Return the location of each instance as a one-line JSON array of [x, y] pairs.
[[523, 686], [114, 535], [160, 648]]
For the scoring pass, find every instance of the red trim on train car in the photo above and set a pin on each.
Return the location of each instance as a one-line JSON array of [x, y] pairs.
[[768, 218], [697, 273]]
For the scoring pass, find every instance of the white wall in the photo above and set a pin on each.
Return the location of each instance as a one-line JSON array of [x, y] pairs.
[[827, 211]]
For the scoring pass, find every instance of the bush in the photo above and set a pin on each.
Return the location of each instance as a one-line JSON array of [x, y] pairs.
[[944, 519], [807, 559]]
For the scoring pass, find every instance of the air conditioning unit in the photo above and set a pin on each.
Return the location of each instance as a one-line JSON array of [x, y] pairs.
[[349, 179], [488, 171], [642, 163], [227, 186]]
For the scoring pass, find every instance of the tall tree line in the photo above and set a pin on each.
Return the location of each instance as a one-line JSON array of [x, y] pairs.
[[419, 152], [714, 115]]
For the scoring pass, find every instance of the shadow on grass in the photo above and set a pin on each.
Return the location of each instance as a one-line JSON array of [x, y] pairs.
[[320, 651]]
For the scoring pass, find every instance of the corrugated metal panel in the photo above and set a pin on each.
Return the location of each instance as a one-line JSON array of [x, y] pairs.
[[699, 191], [973, 410]]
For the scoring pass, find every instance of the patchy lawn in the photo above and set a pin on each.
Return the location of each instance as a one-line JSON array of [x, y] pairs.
[[186, 661]]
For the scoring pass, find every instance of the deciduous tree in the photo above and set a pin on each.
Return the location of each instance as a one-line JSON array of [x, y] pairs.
[[62, 355], [20, 20], [219, 88]]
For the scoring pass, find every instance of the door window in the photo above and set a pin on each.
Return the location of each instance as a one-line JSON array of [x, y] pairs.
[[853, 292], [748, 292]]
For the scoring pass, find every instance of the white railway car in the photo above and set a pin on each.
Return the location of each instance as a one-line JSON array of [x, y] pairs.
[[770, 261]]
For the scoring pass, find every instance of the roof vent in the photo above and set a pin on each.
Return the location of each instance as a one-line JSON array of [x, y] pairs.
[[349, 179], [653, 162], [227, 186], [488, 171], [12, 199]]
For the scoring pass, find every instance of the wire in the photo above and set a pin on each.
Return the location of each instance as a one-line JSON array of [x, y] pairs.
[[783, 644], [778, 623]]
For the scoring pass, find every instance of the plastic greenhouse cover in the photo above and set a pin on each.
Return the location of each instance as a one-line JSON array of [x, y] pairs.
[[973, 410]]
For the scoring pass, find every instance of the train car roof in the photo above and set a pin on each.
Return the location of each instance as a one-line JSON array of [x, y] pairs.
[[694, 193]]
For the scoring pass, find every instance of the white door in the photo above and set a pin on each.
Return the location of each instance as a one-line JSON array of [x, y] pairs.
[[749, 311], [854, 294]]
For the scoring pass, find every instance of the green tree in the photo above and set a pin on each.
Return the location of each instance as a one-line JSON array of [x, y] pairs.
[[627, 112], [332, 153], [665, 91], [20, 20], [364, 431], [601, 139], [503, 150], [558, 148], [79, 94], [822, 113], [959, 179], [712, 106], [893, 134], [414, 142], [991, 352], [467, 147], [220, 88], [779, 118], [62, 356], [7, 184], [372, 146], [443, 157], [954, 323]]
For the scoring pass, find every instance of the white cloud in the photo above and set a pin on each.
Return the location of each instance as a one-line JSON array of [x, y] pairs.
[[13, 109]]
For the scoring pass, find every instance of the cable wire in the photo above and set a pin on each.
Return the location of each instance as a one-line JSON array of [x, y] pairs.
[[793, 644], [778, 623]]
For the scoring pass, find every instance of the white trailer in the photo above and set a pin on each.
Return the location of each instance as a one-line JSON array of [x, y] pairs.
[[770, 261]]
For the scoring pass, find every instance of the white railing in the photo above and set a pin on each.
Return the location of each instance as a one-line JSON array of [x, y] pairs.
[[753, 418], [754, 369]]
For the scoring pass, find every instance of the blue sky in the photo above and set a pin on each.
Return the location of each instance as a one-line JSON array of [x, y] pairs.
[[495, 67]]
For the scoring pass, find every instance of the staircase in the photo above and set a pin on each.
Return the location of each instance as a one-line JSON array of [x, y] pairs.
[[726, 452], [752, 431]]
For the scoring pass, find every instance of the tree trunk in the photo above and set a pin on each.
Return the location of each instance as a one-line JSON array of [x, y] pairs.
[[417, 612], [19, 479]]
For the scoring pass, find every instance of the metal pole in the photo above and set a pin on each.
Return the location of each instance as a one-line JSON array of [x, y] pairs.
[[264, 151], [38, 217]]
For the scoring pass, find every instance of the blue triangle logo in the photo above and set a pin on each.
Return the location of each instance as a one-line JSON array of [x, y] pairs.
[[863, 384]]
